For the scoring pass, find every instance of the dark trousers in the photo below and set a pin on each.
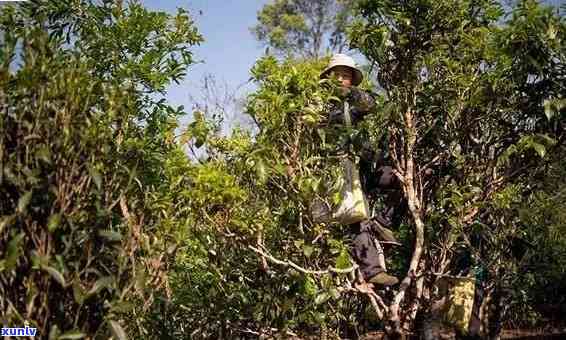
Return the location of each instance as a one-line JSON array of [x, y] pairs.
[[363, 248], [375, 181]]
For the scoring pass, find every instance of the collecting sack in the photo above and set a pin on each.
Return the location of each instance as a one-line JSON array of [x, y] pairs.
[[353, 206], [457, 307]]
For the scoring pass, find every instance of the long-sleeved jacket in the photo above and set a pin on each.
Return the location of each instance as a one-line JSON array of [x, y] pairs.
[[377, 178], [361, 103]]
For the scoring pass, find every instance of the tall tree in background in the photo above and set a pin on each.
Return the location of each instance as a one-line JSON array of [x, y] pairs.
[[479, 101], [307, 28], [85, 238]]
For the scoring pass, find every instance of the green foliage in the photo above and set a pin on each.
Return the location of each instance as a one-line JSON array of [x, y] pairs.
[[218, 280], [107, 228], [302, 27], [82, 248], [480, 125], [485, 92]]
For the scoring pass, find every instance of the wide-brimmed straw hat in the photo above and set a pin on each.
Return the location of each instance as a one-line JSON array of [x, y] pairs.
[[343, 60]]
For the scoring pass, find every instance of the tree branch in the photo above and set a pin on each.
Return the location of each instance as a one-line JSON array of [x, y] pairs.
[[295, 266]]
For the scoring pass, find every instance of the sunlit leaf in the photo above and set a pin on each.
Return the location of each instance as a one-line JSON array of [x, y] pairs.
[[110, 235], [117, 330], [343, 260], [55, 274], [72, 335], [24, 201], [13, 252], [53, 222], [103, 282]]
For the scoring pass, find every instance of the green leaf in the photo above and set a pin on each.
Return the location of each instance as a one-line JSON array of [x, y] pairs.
[[334, 293], [261, 171], [546, 139], [55, 274], [78, 292], [308, 250], [100, 284], [110, 235], [24, 201], [322, 134], [336, 198], [321, 298], [117, 330], [96, 176], [14, 252], [6, 220], [122, 307], [54, 333], [72, 335], [553, 106], [140, 279], [309, 287], [548, 109], [44, 154], [53, 222], [343, 260], [539, 148]]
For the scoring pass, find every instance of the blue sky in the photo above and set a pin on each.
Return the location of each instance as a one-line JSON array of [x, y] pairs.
[[229, 49]]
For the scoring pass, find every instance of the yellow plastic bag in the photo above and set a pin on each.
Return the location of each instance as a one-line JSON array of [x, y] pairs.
[[353, 206], [460, 303]]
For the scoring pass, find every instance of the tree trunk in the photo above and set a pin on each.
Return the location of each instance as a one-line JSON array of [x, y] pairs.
[[410, 181]]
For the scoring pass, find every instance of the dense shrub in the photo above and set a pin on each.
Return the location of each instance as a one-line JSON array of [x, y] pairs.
[[84, 152]]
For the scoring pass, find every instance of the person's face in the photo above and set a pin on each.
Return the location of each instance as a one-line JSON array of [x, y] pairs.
[[344, 75]]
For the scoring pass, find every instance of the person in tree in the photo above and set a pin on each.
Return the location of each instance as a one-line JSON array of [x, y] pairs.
[[377, 178]]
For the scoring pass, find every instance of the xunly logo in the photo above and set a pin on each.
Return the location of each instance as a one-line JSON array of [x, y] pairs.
[[18, 331]]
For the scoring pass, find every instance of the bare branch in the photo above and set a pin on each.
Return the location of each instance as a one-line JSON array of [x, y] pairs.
[[295, 266]]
